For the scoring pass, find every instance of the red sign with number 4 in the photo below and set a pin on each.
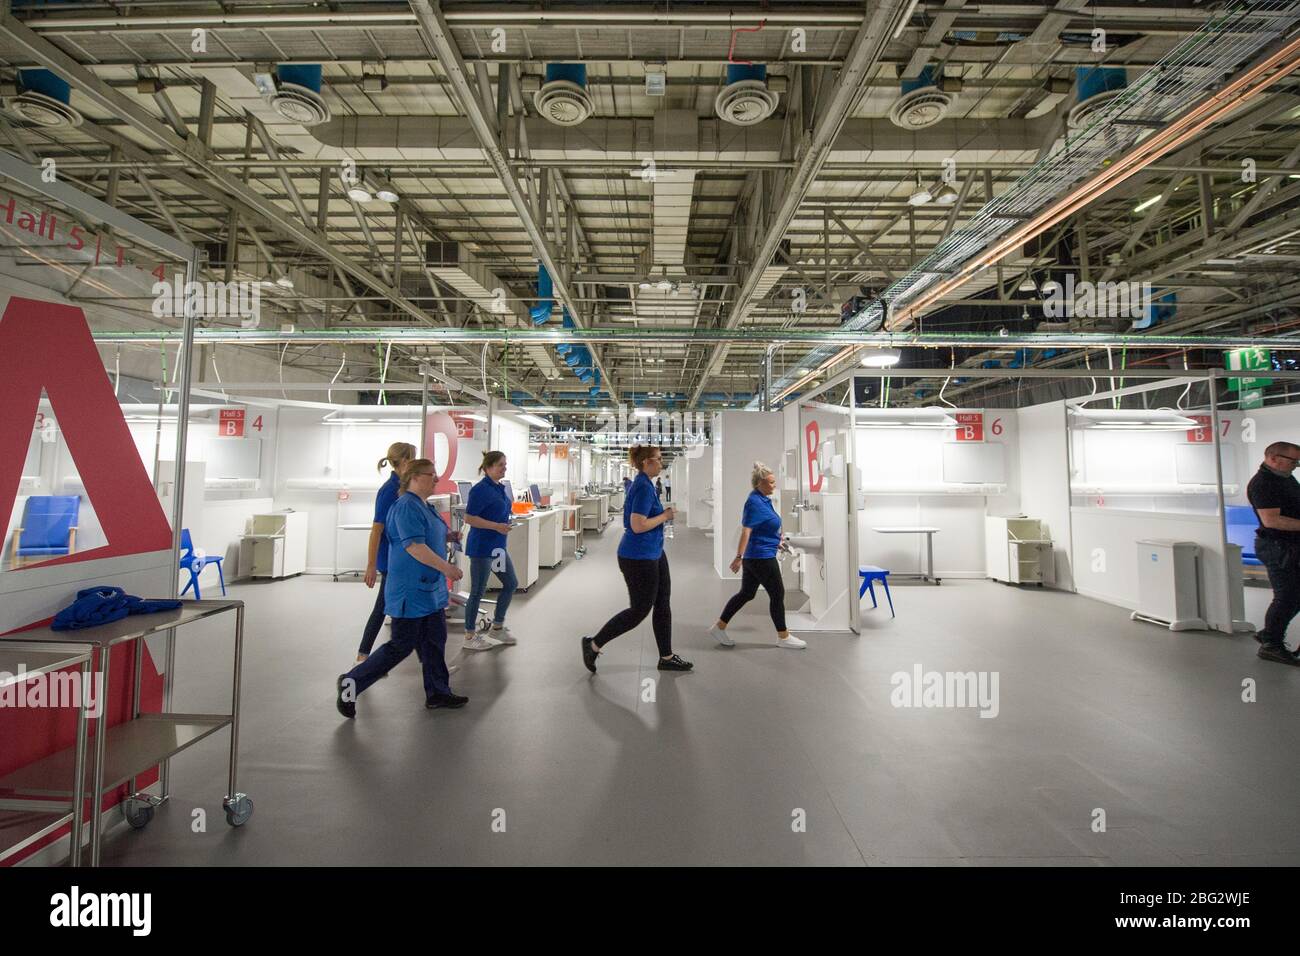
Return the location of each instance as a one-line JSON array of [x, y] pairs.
[[230, 423]]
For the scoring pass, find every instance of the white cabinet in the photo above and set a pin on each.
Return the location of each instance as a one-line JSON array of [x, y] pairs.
[[522, 546], [275, 545], [1017, 550], [550, 540], [1169, 584]]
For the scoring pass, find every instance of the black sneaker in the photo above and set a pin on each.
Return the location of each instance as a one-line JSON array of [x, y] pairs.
[[348, 708], [1278, 654], [1258, 636], [588, 654], [674, 663], [450, 701]]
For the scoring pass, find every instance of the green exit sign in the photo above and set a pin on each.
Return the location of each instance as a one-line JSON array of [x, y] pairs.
[[1248, 360]]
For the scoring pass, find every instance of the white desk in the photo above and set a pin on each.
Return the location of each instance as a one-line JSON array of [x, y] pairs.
[[337, 532], [929, 533]]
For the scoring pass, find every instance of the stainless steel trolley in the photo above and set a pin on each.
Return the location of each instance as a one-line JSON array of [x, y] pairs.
[[121, 753]]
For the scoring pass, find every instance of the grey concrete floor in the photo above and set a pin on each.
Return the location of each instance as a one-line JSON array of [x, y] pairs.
[[1095, 713]]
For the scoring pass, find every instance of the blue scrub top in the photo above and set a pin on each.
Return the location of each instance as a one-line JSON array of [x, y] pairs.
[[641, 499], [383, 502], [487, 500], [764, 526], [413, 589]]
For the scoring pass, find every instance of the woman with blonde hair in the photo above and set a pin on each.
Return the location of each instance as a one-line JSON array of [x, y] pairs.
[[399, 453], [644, 565], [416, 597], [760, 539]]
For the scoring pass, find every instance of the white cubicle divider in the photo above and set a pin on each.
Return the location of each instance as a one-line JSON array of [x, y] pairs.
[[740, 438], [914, 473], [697, 496]]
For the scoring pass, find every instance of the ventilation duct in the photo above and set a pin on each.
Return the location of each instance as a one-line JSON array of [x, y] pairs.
[[294, 93], [44, 98], [1159, 309], [1097, 86], [563, 99], [577, 358], [673, 190], [923, 103], [746, 99]]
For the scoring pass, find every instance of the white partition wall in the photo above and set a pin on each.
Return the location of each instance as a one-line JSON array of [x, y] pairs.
[[1044, 480], [739, 439], [697, 496]]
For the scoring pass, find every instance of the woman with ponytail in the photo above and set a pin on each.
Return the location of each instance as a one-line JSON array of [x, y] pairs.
[[399, 453]]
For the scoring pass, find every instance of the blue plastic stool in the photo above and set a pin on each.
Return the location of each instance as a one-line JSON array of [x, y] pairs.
[[870, 573]]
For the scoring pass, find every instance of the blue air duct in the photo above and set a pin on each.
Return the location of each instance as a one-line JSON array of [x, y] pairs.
[[738, 72], [47, 84], [306, 75]]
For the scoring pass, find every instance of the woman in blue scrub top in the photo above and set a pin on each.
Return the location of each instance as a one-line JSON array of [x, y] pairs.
[[760, 539], [415, 596], [488, 515], [399, 453], [644, 565]]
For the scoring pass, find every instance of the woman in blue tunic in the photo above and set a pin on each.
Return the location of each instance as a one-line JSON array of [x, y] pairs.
[[415, 596], [760, 539]]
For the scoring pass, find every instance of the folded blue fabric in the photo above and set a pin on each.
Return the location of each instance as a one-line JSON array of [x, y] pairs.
[[103, 605]]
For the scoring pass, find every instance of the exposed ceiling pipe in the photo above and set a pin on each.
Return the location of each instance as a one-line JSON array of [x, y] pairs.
[[865, 53], [429, 335], [1176, 134], [433, 29]]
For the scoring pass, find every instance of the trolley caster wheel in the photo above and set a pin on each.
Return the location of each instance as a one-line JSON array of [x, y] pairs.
[[138, 811], [238, 810]]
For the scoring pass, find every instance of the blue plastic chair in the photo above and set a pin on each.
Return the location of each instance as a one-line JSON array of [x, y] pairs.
[[870, 573], [49, 528], [195, 565]]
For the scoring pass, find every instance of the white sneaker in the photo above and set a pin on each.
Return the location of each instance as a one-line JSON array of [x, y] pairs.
[[720, 635], [791, 642], [501, 635], [479, 643]]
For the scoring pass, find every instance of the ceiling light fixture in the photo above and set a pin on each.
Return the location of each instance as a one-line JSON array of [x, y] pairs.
[[881, 358], [358, 193], [1027, 285], [921, 196], [1147, 203], [285, 281], [946, 195]]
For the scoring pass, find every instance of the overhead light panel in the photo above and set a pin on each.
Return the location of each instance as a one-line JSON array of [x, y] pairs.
[[1133, 419], [904, 418], [1147, 203], [534, 420]]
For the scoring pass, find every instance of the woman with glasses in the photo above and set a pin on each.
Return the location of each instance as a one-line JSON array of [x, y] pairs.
[[399, 453], [415, 596], [644, 565]]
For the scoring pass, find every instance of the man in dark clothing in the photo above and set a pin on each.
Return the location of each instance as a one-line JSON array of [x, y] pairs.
[[1275, 495]]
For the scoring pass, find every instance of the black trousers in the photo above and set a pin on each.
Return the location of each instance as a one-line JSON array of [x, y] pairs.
[[1282, 560], [756, 571], [376, 620], [648, 588]]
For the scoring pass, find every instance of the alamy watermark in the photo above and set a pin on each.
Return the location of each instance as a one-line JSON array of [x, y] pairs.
[[946, 689], [684, 429], [239, 299], [51, 690], [1095, 300]]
